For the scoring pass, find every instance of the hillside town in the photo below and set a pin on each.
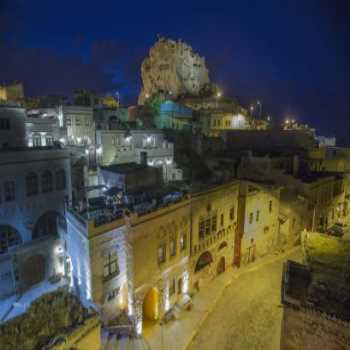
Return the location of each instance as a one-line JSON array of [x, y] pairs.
[[120, 224]]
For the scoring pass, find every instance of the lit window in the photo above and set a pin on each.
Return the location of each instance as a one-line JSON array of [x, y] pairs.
[[110, 265], [251, 217], [161, 254], [47, 181], [183, 241], [32, 184], [257, 215], [232, 213], [9, 191], [172, 247]]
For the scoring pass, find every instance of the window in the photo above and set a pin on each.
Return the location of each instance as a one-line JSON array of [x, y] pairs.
[[213, 224], [257, 215], [293, 223], [32, 184], [173, 247], [68, 121], [36, 140], [201, 229], [49, 140], [161, 254], [232, 213], [77, 122], [4, 123], [183, 241], [251, 217], [207, 226], [172, 289], [46, 181], [222, 220], [9, 191], [9, 237], [270, 206], [60, 180], [110, 265]]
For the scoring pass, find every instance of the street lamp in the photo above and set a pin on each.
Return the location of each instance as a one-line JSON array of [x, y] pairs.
[[218, 95]]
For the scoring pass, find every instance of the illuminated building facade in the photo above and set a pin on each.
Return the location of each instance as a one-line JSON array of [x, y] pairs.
[[140, 146], [34, 188]]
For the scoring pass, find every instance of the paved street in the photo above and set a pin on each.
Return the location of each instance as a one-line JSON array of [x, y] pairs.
[[248, 315]]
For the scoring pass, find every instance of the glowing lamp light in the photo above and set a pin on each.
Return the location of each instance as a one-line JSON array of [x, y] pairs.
[[287, 121], [218, 94], [99, 150], [147, 95], [62, 140], [78, 139], [149, 139]]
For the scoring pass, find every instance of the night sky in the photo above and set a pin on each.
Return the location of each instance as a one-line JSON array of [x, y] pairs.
[[293, 55]]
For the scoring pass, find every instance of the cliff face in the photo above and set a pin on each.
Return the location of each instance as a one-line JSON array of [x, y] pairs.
[[172, 68]]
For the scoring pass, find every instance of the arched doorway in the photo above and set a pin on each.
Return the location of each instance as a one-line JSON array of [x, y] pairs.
[[203, 261], [150, 305], [49, 224], [221, 266], [33, 271]]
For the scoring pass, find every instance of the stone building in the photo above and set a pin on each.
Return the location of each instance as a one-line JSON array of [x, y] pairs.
[[139, 146], [258, 226], [42, 130], [146, 261], [12, 92], [78, 124], [12, 130], [34, 187], [172, 68]]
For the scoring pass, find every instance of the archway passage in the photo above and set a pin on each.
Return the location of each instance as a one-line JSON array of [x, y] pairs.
[[221, 266], [33, 271], [49, 224], [151, 305], [204, 260], [9, 237]]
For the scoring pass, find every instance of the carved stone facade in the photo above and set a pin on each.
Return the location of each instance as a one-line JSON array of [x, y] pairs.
[[173, 68]]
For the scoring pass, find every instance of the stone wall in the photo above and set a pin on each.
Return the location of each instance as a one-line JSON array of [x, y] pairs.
[[308, 329]]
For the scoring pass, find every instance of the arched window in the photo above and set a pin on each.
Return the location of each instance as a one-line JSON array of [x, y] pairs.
[[32, 184], [46, 225], [46, 181], [60, 180], [204, 260], [9, 237], [222, 245]]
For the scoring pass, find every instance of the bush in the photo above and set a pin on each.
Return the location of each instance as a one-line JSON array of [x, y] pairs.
[[48, 316]]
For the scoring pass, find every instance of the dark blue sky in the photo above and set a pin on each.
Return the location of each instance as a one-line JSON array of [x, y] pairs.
[[293, 55]]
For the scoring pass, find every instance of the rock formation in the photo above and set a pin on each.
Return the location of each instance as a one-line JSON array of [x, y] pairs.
[[173, 69]]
